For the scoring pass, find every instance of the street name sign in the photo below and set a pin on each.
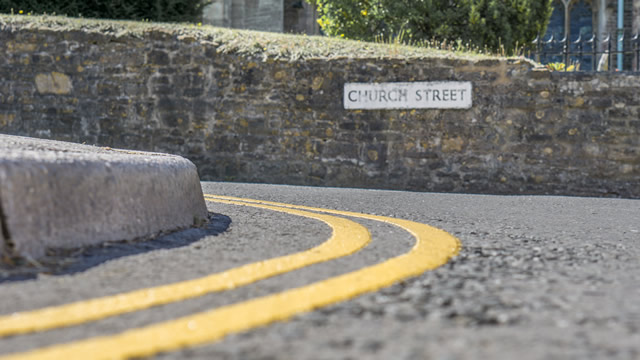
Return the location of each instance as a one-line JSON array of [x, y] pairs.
[[408, 95]]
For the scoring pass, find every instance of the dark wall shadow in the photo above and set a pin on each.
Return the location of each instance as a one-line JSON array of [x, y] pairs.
[[65, 262]]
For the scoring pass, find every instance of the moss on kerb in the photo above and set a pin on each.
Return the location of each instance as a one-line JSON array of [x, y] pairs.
[[260, 44]]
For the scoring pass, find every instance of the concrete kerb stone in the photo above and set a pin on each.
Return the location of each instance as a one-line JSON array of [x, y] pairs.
[[62, 195]]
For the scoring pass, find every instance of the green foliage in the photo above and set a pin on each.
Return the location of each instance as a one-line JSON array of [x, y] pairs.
[[254, 44], [153, 10], [498, 25]]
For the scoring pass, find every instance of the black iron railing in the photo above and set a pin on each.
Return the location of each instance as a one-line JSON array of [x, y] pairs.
[[620, 53]]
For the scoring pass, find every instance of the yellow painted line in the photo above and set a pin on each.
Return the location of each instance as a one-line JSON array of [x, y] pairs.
[[347, 238], [433, 248], [441, 248]]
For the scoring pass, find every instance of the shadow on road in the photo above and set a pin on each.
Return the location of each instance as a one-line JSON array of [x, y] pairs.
[[64, 262]]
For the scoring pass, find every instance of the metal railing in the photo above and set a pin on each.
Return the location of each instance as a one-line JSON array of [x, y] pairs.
[[590, 54]]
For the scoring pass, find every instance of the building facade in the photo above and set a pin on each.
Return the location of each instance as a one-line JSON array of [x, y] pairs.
[[618, 20], [287, 16]]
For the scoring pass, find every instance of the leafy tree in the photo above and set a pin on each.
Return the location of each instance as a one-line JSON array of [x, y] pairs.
[[153, 10], [510, 22], [478, 23]]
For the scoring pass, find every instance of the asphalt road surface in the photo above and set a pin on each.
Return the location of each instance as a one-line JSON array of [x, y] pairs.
[[535, 278]]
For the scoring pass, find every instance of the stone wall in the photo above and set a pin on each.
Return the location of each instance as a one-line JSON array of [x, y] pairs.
[[260, 119]]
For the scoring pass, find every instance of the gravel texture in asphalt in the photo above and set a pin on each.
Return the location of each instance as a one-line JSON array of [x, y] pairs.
[[537, 278]]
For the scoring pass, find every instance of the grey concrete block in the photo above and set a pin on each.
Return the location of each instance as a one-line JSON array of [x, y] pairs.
[[63, 195], [3, 241]]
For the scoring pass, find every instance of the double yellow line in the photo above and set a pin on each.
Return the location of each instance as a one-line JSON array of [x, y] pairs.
[[433, 248]]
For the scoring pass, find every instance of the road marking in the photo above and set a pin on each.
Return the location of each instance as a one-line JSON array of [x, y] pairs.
[[347, 238], [433, 248], [441, 248]]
